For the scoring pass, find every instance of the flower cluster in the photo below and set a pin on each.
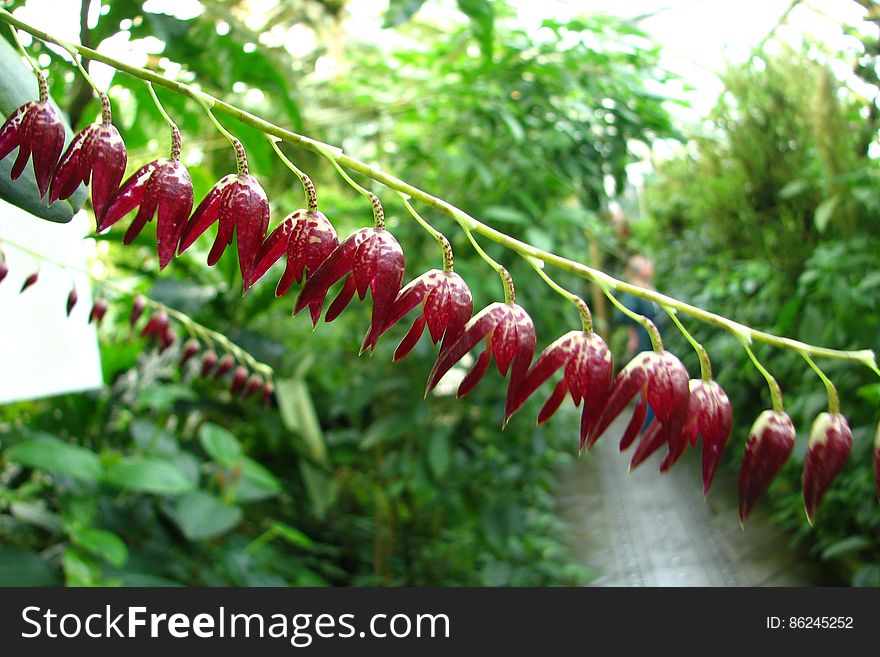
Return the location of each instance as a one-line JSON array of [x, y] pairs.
[[685, 411]]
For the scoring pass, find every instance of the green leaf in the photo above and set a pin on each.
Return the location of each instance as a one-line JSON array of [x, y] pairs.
[[292, 535], [54, 455], [482, 17], [36, 514], [793, 188], [162, 396], [825, 212], [298, 414], [400, 11], [24, 568], [256, 483], [101, 543], [18, 85], [79, 568], [201, 516], [439, 455], [220, 444], [148, 475], [845, 546], [321, 487]]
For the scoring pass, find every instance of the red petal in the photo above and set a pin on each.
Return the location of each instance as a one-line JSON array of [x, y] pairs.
[[69, 172], [552, 404], [652, 440], [249, 208], [551, 359], [626, 384], [46, 133], [475, 330], [827, 452], [410, 339], [205, 214], [312, 241], [107, 159], [635, 424], [770, 442], [72, 298], [337, 265], [175, 200], [272, 249], [11, 132], [129, 196], [473, 377], [339, 303], [668, 387]]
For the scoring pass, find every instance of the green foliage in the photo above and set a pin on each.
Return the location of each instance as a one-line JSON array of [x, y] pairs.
[[164, 478], [772, 218]]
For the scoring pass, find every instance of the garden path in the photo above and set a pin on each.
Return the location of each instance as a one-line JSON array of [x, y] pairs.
[[647, 529]]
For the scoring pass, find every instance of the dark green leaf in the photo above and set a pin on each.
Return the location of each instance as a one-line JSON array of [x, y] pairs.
[[148, 475], [201, 516], [55, 455]]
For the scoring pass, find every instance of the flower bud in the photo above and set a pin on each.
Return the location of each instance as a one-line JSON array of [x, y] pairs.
[[268, 391], [209, 361], [99, 308], [4, 269], [167, 338], [190, 349], [72, 298], [770, 442], [137, 309], [827, 452], [226, 365], [156, 326], [238, 380], [254, 383], [30, 280]]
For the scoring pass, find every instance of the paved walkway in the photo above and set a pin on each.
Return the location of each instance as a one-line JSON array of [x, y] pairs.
[[647, 529]]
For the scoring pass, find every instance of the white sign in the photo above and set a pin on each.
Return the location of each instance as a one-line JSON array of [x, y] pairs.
[[44, 352]]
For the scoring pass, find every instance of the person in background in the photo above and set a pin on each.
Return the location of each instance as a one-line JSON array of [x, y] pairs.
[[639, 271]]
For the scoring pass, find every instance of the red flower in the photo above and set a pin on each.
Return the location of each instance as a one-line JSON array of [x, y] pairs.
[[770, 442], [268, 391], [163, 185], [308, 238], [254, 383], [190, 349], [375, 261], [4, 269], [661, 380], [156, 326], [238, 380], [587, 370], [225, 365], [209, 361], [510, 338], [72, 298], [447, 305], [30, 280], [99, 309], [710, 416], [36, 128], [827, 452], [240, 205], [137, 309], [98, 154]]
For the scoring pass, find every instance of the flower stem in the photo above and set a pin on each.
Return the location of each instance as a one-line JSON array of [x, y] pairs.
[[378, 210], [702, 354], [192, 327], [175, 131], [30, 60], [580, 304], [73, 51], [833, 396], [864, 357], [241, 161], [775, 390], [308, 185], [506, 278], [650, 327], [445, 246]]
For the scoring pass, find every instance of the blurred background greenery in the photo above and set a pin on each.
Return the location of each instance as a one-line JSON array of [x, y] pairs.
[[768, 214]]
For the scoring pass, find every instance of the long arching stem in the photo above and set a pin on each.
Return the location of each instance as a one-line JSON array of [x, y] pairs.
[[337, 157]]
